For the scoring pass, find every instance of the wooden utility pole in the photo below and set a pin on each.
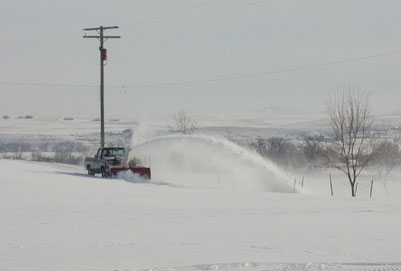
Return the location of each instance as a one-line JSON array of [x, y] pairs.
[[103, 56]]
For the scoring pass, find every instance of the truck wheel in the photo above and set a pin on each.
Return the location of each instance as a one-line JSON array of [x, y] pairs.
[[90, 172], [104, 172]]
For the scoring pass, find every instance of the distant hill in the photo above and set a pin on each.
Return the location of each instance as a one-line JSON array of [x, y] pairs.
[[284, 110]]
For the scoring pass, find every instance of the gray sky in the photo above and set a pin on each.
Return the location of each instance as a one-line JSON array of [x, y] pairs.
[[170, 41]]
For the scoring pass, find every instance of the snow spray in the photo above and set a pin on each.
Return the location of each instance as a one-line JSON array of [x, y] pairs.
[[210, 162]]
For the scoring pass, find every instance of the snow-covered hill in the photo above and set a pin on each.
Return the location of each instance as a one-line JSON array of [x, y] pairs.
[[54, 217]]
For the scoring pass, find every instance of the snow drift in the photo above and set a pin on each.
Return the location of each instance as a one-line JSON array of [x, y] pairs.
[[210, 162]]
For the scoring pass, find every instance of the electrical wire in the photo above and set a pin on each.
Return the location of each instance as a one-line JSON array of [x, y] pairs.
[[168, 14], [261, 74], [46, 84], [226, 78], [253, 3], [218, 12]]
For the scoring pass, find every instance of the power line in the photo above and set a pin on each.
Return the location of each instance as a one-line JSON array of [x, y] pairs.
[[218, 12], [226, 78], [47, 84], [260, 74], [168, 14]]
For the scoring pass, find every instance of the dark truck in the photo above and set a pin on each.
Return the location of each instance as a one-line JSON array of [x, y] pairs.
[[110, 161]]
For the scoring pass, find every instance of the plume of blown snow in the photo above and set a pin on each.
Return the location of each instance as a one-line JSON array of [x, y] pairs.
[[142, 132], [210, 162]]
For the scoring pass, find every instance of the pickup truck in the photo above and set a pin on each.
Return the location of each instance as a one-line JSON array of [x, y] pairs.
[[110, 161]]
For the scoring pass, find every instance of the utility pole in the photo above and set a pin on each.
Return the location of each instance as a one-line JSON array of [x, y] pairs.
[[103, 56]]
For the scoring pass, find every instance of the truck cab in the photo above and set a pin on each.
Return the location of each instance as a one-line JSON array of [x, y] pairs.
[[116, 155]]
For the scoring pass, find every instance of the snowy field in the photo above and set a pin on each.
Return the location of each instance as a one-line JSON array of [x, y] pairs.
[[54, 217], [211, 205]]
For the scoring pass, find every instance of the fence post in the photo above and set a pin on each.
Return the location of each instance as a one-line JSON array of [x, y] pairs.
[[302, 181], [371, 188], [331, 185]]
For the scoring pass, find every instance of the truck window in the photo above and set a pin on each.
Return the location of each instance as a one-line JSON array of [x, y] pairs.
[[107, 152], [112, 152], [119, 152]]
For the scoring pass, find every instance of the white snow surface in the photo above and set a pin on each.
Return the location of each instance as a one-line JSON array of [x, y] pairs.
[[54, 217]]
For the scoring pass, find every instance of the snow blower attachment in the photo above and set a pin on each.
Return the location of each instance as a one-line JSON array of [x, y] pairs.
[[110, 161]]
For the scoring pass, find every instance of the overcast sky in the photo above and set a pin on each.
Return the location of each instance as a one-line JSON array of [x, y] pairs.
[[165, 42]]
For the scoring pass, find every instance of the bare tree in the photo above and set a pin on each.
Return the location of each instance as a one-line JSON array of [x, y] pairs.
[[387, 155], [313, 149], [281, 151], [350, 121], [184, 123]]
